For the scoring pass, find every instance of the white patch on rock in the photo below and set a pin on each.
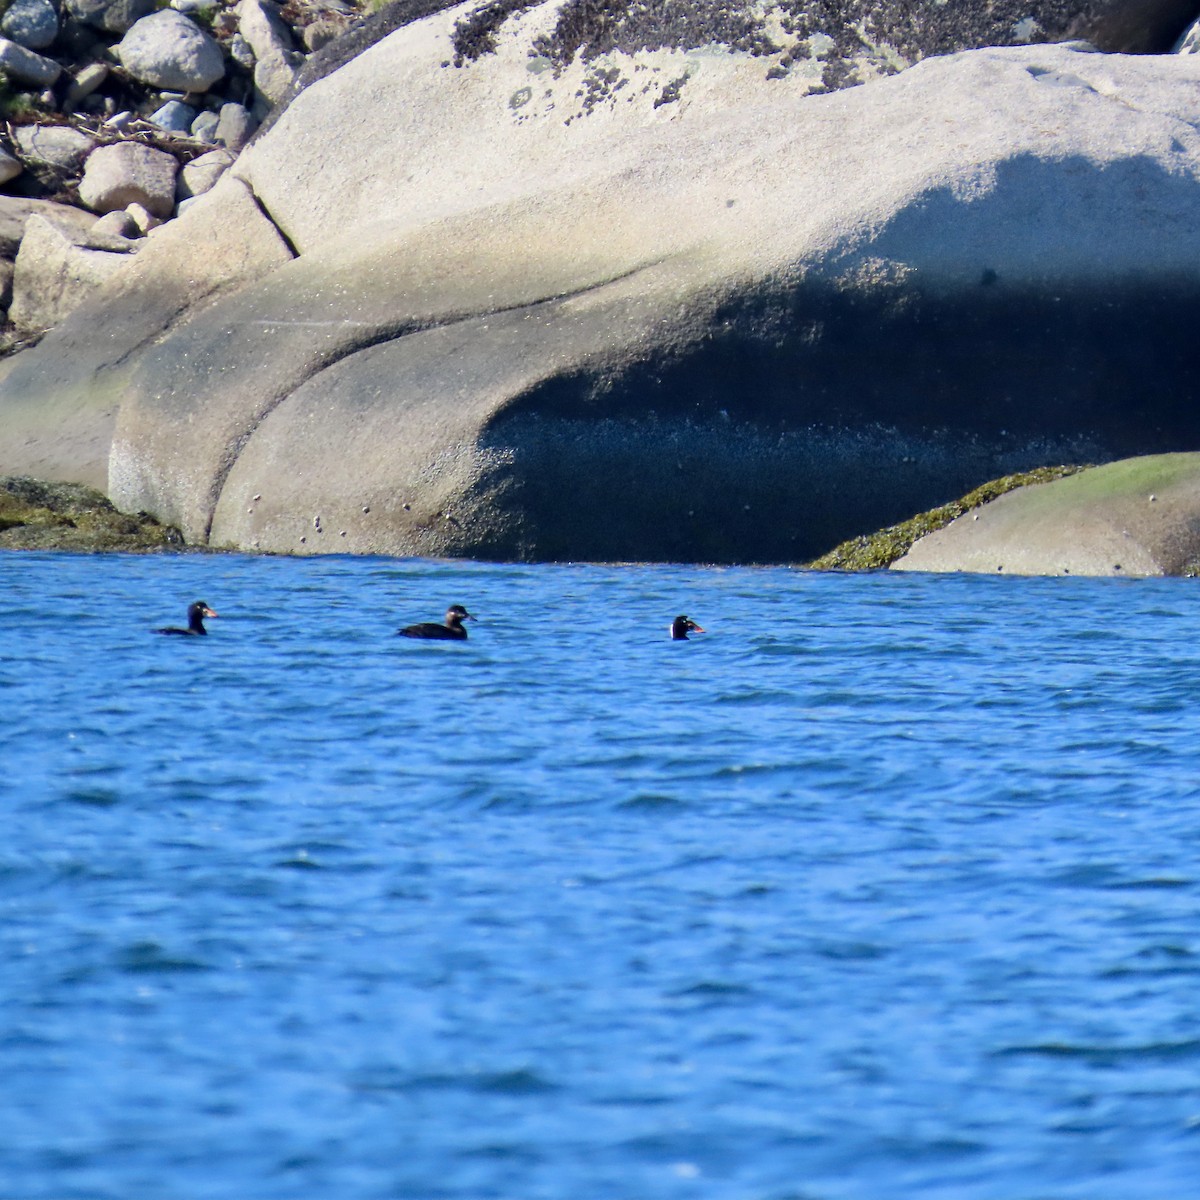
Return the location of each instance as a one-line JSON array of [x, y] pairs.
[[1026, 30]]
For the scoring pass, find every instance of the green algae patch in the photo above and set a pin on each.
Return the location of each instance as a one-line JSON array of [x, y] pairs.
[[876, 551], [35, 515]]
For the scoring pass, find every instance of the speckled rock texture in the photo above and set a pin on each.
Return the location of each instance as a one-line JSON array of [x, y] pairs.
[[1136, 517], [556, 296]]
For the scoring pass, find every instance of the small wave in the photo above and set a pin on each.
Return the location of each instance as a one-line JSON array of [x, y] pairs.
[[1107, 1055]]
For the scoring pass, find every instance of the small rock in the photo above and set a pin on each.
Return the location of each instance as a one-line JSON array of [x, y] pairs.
[[166, 50], [86, 81], [113, 16], [321, 32], [58, 146], [235, 127], [129, 173], [240, 52], [30, 23], [174, 117], [204, 127], [23, 66], [202, 173], [270, 38], [143, 218], [116, 223]]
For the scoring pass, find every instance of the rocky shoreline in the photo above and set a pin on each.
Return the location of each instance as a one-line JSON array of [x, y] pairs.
[[486, 267]]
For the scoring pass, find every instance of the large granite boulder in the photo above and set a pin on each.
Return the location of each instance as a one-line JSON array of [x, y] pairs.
[[1140, 516], [639, 302]]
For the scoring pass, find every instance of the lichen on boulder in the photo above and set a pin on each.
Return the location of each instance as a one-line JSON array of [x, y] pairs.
[[35, 515], [877, 551]]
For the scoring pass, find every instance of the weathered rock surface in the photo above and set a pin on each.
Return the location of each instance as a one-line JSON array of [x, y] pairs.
[[129, 173], [1136, 517], [609, 302], [54, 274]]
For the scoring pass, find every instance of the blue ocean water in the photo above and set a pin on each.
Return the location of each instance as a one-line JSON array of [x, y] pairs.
[[887, 886]]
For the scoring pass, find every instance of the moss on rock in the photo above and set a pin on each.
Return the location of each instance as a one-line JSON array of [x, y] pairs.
[[35, 515], [876, 551]]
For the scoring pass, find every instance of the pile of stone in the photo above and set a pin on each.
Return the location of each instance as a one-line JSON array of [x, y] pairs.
[[118, 114]]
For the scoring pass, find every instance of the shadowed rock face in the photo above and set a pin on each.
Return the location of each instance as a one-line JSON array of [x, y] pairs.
[[535, 312]]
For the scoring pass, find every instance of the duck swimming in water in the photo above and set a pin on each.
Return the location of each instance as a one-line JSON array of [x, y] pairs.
[[197, 611], [681, 627], [451, 631]]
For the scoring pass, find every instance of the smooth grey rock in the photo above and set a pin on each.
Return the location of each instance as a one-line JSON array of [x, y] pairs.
[[30, 23], [201, 174], [1190, 42], [10, 167], [117, 223], [54, 275], [204, 127], [86, 80], [24, 66], [113, 16], [167, 50], [270, 38], [127, 173], [175, 117], [59, 146], [235, 127]]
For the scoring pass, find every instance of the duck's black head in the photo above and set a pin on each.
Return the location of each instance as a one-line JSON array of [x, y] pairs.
[[682, 626], [197, 611], [456, 615]]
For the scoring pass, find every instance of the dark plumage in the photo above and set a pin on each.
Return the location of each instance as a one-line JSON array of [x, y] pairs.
[[197, 611], [451, 631], [681, 627]]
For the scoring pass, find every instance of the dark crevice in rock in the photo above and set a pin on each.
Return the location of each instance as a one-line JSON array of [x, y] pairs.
[[266, 215]]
